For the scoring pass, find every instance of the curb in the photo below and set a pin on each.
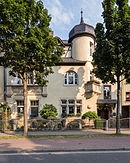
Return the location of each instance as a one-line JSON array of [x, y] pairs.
[[65, 150]]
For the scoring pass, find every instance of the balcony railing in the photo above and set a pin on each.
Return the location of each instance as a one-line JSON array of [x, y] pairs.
[[17, 90], [93, 87]]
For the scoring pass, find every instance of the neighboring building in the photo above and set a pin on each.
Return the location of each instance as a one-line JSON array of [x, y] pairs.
[[125, 99], [1, 84], [72, 88]]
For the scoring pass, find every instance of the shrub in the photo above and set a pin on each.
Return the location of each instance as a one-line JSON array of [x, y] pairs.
[[71, 115], [89, 115], [63, 115], [48, 112], [19, 115], [78, 114]]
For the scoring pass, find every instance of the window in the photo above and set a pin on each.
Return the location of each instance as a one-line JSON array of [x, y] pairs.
[[78, 109], [17, 80], [71, 101], [79, 101], [63, 109], [34, 108], [91, 48], [71, 78], [91, 76], [30, 79], [71, 106], [71, 110], [127, 96], [107, 92], [20, 106], [64, 101]]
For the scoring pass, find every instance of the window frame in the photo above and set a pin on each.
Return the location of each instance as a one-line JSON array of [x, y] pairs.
[[91, 49], [68, 76], [20, 106], [76, 103], [127, 96], [109, 95], [34, 106]]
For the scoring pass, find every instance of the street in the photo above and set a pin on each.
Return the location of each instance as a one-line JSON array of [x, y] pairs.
[[67, 157]]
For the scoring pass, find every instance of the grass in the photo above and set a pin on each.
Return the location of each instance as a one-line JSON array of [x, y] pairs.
[[64, 136]]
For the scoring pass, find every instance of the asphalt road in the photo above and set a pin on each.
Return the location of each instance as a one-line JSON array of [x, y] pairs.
[[68, 157]]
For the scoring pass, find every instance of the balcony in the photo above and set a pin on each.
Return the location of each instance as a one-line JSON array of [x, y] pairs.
[[17, 90], [92, 87]]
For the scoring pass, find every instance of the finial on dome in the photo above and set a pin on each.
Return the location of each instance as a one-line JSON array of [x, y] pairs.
[[82, 21]]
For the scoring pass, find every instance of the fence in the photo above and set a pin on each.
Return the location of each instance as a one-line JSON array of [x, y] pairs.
[[60, 124]]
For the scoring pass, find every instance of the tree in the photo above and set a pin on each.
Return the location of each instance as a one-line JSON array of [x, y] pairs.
[[48, 112], [26, 42], [112, 53]]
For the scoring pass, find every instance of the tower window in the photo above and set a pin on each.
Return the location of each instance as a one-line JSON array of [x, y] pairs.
[[91, 48]]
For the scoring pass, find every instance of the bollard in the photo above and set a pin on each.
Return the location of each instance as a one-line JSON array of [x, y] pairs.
[[106, 127], [80, 125]]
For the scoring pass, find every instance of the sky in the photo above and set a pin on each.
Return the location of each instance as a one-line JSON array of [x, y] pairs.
[[67, 13]]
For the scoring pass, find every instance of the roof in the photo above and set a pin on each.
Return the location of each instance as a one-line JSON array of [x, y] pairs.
[[66, 42], [71, 61], [81, 29], [106, 101]]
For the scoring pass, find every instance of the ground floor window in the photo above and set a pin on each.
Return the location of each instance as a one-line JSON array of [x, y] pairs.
[[20, 106], [71, 106], [71, 110], [64, 109], [78, 109], [34, 108]]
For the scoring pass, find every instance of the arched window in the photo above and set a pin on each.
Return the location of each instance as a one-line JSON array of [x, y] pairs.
[[71, 78]]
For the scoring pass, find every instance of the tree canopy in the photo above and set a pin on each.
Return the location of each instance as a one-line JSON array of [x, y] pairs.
[[25, 38], [112, 53], [26, 43]]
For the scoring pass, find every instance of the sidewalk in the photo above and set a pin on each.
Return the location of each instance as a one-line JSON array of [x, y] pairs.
[[65, 144], [69, 132]]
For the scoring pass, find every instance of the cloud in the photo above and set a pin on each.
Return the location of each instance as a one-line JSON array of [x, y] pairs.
[[60, 15], [93, 11]]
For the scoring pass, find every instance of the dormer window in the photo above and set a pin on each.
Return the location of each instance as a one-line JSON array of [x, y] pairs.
[[71, 78]]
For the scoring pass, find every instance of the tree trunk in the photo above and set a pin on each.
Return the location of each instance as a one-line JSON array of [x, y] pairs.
[[118, 107], [25, 106]]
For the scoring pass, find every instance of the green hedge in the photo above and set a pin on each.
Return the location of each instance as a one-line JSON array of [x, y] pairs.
[[98, 124], [89, 115]]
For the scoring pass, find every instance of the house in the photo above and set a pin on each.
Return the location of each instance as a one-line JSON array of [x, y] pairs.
[[125, 99], [72, 88], [1, 84]]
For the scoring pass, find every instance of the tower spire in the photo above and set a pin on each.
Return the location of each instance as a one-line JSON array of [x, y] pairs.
[[82, 21]]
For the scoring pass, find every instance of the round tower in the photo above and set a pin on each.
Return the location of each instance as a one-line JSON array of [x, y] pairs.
[[82, 39]]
